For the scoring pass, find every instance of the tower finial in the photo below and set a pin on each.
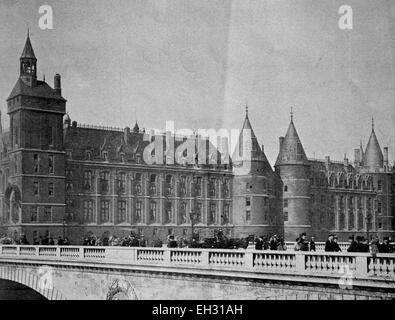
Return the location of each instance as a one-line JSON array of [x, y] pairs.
[[246, 109], [372, 123], [292, 114]]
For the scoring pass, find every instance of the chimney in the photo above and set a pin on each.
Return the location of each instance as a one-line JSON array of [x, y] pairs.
[[357, 157], [126, 133], [281, 140], [345, 161], [57, 84], [385, 156]]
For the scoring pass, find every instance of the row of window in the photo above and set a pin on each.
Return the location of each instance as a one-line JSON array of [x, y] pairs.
[[50, 190], [39, 214], [361, 184], [121, 180], [50, 164], [196, 214]]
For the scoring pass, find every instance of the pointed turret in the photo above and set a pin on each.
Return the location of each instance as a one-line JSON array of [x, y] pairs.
[[136, 128], [373, 157], [291, 149], [28, 51], [248, 142], [28, 64], [293, 168]]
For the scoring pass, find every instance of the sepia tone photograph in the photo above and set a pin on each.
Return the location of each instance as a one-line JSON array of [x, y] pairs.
[[197, 150]]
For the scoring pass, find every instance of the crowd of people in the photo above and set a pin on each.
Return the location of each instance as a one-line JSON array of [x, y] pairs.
[[219, 241], [129, 241], [360, 244], [47, 240], [270, 243]]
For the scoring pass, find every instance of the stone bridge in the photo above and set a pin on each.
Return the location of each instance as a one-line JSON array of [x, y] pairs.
[[70, 272]]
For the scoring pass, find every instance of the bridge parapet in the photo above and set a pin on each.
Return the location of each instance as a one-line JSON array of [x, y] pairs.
[[357, 265]]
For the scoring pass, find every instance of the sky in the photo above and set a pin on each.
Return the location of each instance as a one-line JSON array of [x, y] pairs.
[[199, 62]]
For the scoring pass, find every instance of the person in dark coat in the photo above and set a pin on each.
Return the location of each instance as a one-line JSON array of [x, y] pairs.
[[336, 247], [259, 243], [329, 244], [353, 247], [385, 246], [312, 244], [363, 245], [304, 244]]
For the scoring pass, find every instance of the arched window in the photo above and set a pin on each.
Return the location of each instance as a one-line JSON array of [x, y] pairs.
[[285, 188]]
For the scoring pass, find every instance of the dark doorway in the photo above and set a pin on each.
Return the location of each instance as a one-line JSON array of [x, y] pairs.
[[10, 290]]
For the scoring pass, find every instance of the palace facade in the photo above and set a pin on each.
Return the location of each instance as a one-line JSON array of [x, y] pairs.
[[64, 178]]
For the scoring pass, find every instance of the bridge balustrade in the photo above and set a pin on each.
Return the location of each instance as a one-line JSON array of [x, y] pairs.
[[361, 265]]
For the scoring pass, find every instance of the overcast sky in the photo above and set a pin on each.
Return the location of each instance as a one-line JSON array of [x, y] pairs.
[[198, 62]]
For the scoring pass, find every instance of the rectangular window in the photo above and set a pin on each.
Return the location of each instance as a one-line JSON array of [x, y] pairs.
[[198, 213], [88, 210], [122, 182], [248, 215], [183, 190], [34, 214], [51, 164], [226, 188], [121, 212], [105, 181], [105, 211], [379, 207], [138, 212], [198, 186], [88, 181], [36, 163], [213, 213], [285, 216], [152, 212], [152, 186], [285, 203], [51, 189], [212, 187], [35, 188], [225, 215], [379, 185], [248, 201], [47, 214]]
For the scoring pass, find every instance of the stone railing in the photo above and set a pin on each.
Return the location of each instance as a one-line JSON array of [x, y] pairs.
[[356, 265], [319, 246]]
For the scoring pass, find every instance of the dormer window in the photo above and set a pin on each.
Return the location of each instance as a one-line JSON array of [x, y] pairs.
[[105, 155], [88, 155]]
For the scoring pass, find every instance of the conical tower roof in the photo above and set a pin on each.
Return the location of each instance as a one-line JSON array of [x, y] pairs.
[[28, 51], [373, 157], [249, 142], [291, 151]]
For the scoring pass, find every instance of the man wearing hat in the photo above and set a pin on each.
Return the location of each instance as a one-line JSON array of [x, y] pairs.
[[329, 244], [353, 245]]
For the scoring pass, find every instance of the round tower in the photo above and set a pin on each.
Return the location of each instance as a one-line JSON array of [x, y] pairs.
[[294, 170]]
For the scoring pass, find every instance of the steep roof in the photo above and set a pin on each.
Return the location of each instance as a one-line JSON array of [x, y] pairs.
[[291, 151], [28, 51], [80, 139], [373, 157], [40, 90]]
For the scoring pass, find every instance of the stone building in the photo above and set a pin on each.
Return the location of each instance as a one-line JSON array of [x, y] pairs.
[[65, 178], [326, 196]]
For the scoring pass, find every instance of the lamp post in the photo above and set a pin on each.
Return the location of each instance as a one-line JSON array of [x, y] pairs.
[[192, 217], [64, 228]]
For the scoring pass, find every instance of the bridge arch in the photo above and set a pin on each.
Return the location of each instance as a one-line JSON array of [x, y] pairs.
[[39, 281]]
